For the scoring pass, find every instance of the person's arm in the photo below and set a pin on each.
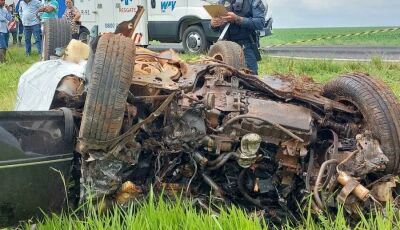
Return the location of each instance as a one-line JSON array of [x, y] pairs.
[[2, 18], [40, 6], [254, 23], [6, 17], [20, 9], [53, 6], [47, 9], [77, 15]]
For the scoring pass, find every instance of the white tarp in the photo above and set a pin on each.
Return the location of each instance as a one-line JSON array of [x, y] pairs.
[[37, 86]]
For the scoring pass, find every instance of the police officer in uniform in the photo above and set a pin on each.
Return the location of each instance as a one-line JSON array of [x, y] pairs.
[[246, 18]]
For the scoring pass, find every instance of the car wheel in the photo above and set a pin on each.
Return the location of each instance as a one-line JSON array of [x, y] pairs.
[[56, 34], [84, 35], [110, 77], [194, 40], [228, 52], [379, 108]]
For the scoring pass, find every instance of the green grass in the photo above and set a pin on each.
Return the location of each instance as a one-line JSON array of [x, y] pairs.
[[324, 70], [10, 72], [282, 36], [180, 214]]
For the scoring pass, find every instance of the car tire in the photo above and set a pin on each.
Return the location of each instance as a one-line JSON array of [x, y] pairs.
[[84, 35], [109, 82], [56, 34], [194, 40], [379, 107], [228, 52]]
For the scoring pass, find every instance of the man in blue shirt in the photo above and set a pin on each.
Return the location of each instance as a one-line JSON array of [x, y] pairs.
[[5, 17], [29, 12], [246, 18]]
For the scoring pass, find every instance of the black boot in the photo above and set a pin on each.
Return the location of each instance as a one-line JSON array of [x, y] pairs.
[[2, 55], [20, 40]]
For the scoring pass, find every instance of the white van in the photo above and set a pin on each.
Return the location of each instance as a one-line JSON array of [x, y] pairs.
[[171, 21]]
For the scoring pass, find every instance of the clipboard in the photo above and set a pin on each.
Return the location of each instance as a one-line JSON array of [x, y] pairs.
[[216, 10]]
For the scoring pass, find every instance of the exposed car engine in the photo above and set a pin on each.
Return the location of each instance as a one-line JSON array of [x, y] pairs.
[[215, 132]]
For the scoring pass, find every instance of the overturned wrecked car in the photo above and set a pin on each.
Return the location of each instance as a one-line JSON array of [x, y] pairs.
[[206, 128]]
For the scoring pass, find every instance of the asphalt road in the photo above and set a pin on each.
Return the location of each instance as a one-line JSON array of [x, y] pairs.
[[362, 53]]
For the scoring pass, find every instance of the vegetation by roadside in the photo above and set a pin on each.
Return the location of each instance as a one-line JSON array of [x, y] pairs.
[[181, 214], [282, 36], [16, 64]]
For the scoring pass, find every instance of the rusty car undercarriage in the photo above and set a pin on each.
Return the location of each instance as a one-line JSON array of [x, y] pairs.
[[215, 132]]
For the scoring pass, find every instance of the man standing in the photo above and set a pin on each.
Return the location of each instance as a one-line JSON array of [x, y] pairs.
[[20, 26], [5, 17], [28, 10], [246, 18], [50, 9]]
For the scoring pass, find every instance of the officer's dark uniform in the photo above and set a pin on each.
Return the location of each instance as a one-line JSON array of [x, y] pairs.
[[245, 34]]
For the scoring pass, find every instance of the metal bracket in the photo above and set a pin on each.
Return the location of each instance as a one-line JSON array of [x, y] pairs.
[[346, 191]]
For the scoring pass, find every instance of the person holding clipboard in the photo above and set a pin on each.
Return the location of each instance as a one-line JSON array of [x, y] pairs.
[[246, 17]]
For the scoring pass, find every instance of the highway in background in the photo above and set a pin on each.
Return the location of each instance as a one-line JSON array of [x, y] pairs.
[[362, 53]]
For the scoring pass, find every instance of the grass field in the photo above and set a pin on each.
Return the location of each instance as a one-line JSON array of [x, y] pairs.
[[164, 215], [10, 72], [282, 36]]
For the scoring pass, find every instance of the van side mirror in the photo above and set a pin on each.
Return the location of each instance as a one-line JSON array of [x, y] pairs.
[[153, 4]]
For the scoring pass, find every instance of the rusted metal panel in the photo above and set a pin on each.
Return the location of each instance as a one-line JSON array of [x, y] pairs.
[[287, 115]]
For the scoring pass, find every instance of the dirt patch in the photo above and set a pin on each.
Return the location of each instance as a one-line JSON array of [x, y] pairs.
[[301, 83]]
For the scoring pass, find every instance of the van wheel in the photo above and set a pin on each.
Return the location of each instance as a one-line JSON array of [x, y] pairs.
[[228, 52], [194, 40], [84, 35], [56, 34], [379, 108], [110, 78]]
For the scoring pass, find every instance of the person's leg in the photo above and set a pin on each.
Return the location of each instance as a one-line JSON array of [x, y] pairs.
[[37, 33], [2, 55], [7, 38], [3, 47], [20, 32], [28, 36], [251, 59], [14, 36]]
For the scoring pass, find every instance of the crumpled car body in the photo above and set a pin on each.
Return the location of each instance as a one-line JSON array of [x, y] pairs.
[[207, 129]]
